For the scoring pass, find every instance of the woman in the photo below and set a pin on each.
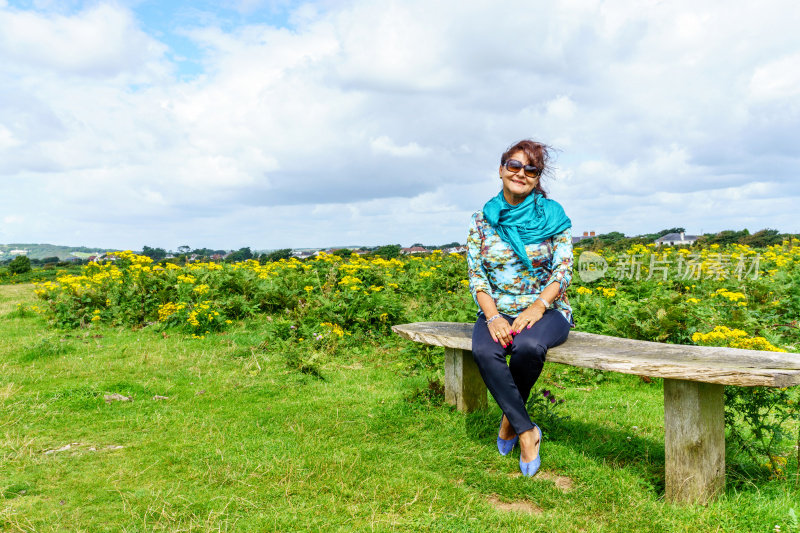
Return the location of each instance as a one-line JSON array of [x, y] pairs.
[[519, 254]]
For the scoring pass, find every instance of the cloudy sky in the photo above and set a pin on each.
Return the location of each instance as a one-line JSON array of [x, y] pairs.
[[275, 123]]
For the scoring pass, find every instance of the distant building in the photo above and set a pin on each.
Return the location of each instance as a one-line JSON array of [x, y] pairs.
[[456, 250], [18, 252], [676, 239], [579, 238], [413, 250]]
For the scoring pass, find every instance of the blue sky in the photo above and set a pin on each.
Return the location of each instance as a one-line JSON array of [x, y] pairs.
[[277, 124]]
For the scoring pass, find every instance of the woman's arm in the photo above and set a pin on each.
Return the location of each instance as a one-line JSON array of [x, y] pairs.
[[536, 310], [478, 278], [557, 282], [480, 287], [499, 328], [562, 263]]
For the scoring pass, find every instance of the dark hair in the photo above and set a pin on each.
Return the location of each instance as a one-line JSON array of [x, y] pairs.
[[538, 154]]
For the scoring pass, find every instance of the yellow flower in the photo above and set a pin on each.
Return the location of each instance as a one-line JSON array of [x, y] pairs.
[[729, 295], [334, 328], [608, 293], [350, 281], [167, 310], [201, 289], [734, 338]]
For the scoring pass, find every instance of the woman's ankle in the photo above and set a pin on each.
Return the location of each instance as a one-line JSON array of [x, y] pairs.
[[506, 429]]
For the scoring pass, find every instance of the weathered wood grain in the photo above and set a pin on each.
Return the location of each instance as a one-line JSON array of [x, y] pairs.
[[463, 384], [724, 366], [694, 441]]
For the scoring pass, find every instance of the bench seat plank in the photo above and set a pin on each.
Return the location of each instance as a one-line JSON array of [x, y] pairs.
[[724, 366]]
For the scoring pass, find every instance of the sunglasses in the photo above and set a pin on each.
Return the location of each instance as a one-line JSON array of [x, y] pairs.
[[514, 166]]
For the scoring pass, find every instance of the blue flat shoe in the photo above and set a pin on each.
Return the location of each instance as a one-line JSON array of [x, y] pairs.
[[530, 469], [505, 446]]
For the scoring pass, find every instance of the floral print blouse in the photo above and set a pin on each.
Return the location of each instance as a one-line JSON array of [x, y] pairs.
[[495, 269]]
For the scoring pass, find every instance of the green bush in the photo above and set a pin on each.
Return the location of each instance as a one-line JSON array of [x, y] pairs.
[[20, 265]]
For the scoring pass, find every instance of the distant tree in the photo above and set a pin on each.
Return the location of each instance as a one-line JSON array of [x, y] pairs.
[[613, 236], [764, 237], [668, 231], [207, 252], [277, 255], [342, 252], [156, 254], [184, 249], [727, 237], [53, 259], [242, 254], [20, 265], [389, 251], [613, 240]]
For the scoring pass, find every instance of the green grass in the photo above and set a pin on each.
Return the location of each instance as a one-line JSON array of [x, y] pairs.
[[245, 443]]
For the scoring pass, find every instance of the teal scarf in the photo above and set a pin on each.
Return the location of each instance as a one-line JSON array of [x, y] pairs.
[[535, 219]]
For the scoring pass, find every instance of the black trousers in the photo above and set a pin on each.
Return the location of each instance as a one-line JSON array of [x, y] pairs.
[[510, 383]]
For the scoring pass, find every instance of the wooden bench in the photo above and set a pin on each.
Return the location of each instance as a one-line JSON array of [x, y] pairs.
[[694, 380]]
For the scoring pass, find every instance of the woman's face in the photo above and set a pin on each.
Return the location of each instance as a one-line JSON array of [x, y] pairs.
[[516, 185]]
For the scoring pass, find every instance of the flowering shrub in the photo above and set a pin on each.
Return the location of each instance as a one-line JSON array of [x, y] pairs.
[[733, 338], [357, 294]]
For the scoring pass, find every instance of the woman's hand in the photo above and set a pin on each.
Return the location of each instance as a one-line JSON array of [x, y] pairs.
[[500, 331], [528, 317]]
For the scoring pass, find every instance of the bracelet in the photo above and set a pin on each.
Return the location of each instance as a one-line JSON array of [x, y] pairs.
[[490, 320], [545, 302]]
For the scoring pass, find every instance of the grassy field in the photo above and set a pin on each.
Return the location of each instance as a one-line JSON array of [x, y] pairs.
[[221, 435]]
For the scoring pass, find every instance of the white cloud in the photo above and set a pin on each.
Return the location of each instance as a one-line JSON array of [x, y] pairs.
[[7, 138], [101, 41], [385, 145], [384, 121], [777, 80]]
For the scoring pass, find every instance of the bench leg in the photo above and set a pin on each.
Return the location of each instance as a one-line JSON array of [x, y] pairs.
[[463, 384], [694, 434]]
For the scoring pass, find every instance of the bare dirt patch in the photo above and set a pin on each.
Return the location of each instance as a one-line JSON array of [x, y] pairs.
[[76, 447], [563, 483], [522, 506], [116, 397]]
